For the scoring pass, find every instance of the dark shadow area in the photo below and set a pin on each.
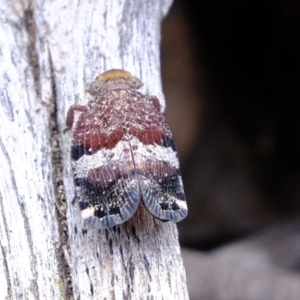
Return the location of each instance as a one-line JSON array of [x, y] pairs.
[[231, 78]]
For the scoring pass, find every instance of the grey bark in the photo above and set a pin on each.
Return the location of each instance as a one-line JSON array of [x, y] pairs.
[[49, 51]]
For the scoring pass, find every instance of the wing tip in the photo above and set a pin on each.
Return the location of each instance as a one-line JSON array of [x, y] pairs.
[[174, 211], [108, 220]]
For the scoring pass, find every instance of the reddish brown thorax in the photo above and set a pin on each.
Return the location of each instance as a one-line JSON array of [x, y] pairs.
[[116, 110]]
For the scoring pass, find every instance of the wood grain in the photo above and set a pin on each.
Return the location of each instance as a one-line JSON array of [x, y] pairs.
[[49, 52]]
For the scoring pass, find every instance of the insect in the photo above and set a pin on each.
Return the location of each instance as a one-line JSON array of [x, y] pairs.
[[123, 153]]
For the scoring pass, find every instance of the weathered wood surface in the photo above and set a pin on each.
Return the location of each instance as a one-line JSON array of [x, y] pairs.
[[49, 51]]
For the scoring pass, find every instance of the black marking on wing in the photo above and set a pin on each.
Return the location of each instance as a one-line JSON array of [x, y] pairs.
[[79, 181], [78, 151], [168, 141], [83, 205], [172, 185]]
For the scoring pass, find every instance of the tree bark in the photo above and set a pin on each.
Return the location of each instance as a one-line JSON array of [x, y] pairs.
[[49, 51]]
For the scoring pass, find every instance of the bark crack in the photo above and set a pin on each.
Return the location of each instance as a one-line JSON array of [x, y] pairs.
[[61, 204], [6, 270], [32, 53]]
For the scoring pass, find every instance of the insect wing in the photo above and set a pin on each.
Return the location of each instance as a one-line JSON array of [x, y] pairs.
[[104, 174], [160, 177]]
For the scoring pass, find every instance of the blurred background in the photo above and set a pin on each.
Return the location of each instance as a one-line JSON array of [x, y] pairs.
[[231, 75]]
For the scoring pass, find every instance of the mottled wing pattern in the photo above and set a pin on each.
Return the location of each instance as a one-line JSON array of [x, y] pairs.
[[157, 164], [122, 152], [103, 169]]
